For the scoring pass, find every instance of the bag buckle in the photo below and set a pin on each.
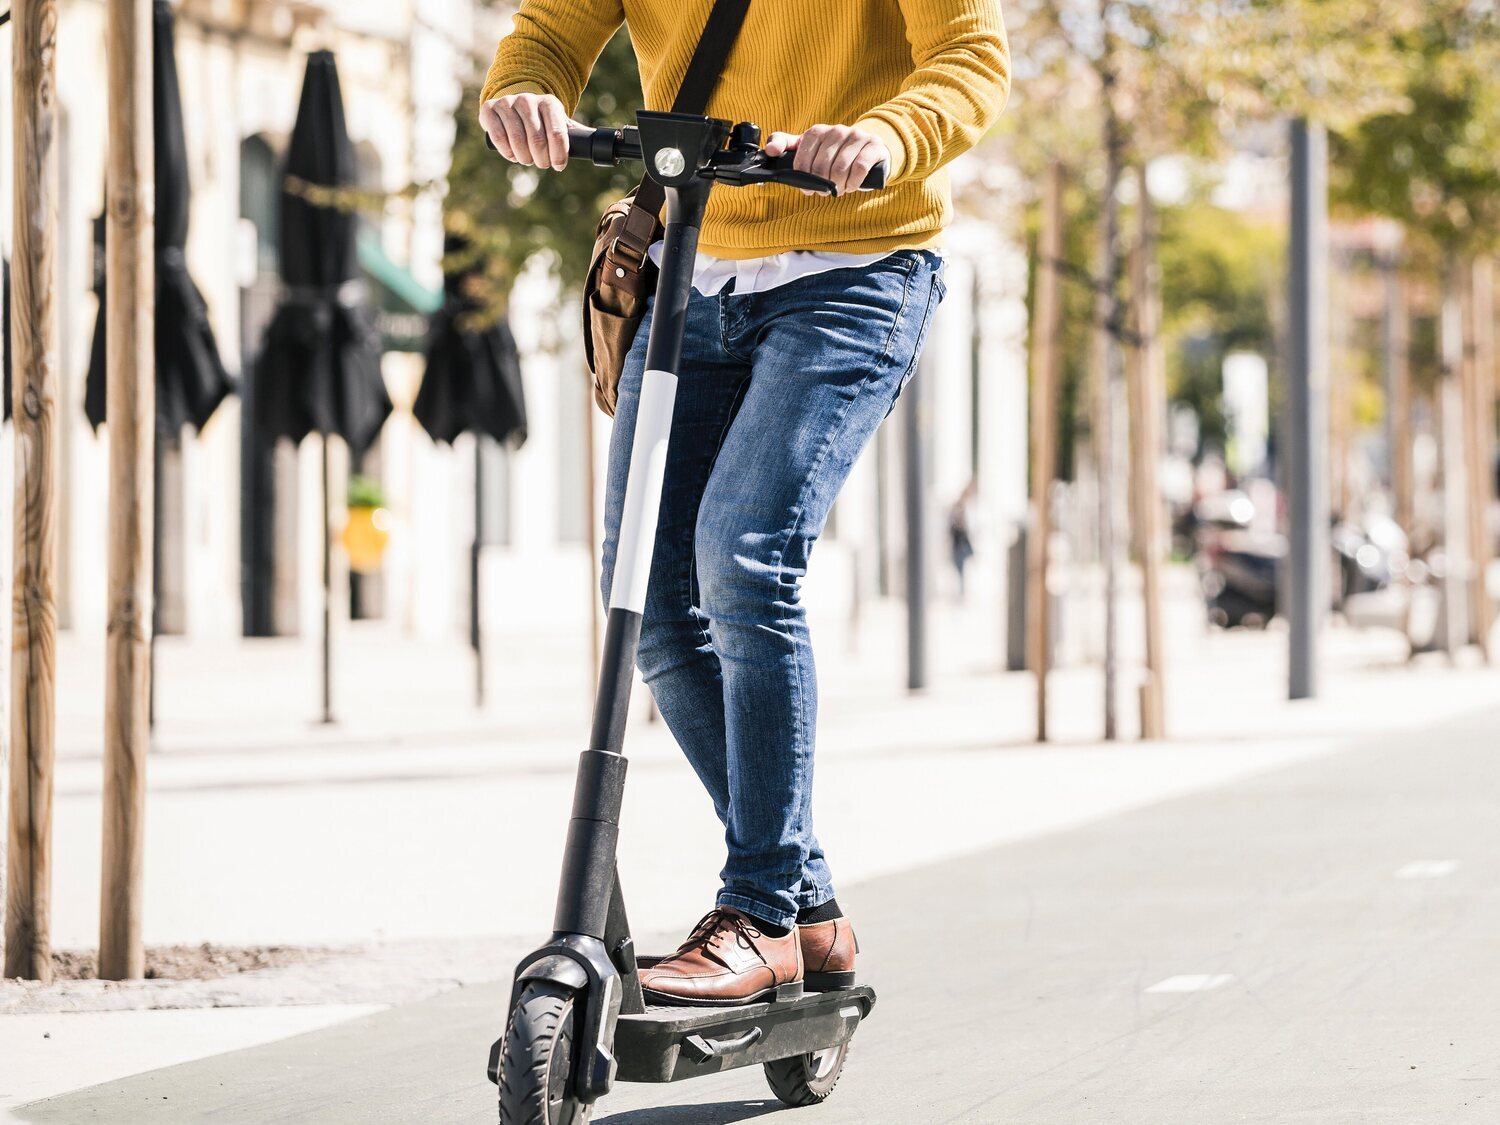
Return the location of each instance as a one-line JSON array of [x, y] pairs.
[[613, 253]]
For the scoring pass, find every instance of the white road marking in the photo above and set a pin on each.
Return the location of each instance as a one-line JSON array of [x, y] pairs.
[[1427, 869], [1192, 982]]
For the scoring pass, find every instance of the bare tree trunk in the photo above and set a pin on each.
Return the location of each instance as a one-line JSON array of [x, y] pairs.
[[1145, 419], [28, 946], [131, 366], [1046, 358], [1110, 375], [1455, 507], [1398, 387], [1340, 388], [1479, 387]]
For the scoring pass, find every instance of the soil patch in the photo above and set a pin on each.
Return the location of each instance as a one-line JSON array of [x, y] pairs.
[[191, 962]]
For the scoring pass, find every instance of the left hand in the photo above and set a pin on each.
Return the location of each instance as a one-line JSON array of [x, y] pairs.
[[840, 153]]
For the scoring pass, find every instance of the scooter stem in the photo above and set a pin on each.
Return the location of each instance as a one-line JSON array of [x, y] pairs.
[[587, 881], [653, 428]]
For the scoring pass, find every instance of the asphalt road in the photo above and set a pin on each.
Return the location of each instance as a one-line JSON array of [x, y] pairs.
[[1261, 952]]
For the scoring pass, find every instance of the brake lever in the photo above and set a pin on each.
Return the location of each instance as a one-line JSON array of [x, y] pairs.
[[758, 170], [803, 180]]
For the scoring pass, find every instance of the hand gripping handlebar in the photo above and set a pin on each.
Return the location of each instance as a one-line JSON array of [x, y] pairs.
[[743, 162]]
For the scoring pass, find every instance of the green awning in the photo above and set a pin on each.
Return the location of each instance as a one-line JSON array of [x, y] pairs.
[[402, 303]]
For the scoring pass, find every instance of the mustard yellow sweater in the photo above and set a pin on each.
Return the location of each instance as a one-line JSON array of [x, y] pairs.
[[926, 76]]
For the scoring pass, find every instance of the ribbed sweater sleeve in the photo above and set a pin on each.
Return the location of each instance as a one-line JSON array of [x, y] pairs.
[[958, 89], [552, 48], [928, 77]]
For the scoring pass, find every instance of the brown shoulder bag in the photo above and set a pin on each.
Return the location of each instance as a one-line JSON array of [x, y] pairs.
[[621, 276]]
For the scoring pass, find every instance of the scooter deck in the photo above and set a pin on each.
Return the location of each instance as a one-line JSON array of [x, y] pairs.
[[666, 1044]]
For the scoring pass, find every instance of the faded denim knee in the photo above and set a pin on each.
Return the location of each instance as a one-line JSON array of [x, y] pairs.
[[741, 580]]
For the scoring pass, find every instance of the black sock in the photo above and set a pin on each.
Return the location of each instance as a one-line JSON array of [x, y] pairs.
[[768, 929], [812, 915]]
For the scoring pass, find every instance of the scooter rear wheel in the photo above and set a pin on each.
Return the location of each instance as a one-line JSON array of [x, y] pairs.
[[807, 1079], [537, 1060]]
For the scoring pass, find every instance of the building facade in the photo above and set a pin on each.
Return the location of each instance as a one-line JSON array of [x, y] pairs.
[[402, 67]]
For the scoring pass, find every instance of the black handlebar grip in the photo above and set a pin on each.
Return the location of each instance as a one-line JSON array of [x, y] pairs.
[[581, 141], [876, 178]]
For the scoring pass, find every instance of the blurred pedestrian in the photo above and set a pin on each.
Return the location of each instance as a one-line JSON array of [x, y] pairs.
[[960, 537]]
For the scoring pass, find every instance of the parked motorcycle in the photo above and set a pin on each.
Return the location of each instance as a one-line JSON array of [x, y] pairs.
[[1237, 564]]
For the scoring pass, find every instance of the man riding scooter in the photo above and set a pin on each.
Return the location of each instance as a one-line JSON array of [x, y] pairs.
[[804, 324]]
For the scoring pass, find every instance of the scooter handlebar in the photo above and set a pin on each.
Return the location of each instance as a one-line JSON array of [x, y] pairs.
[[604, 146], [610, 146]]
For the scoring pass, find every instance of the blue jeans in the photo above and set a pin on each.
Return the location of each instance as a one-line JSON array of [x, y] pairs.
[[778, 394]]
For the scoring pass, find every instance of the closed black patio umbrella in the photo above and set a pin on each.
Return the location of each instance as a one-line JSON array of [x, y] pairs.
[[319, 365], [472, 384], [473, 376], [191, 380]]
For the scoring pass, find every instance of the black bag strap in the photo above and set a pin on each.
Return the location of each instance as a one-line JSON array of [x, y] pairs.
[[703, 72]]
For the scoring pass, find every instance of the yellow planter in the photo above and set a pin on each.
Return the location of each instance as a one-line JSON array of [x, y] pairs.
[[365, 537]]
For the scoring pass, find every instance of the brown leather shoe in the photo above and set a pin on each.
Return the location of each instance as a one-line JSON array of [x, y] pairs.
[[828, 950], [727, 960]]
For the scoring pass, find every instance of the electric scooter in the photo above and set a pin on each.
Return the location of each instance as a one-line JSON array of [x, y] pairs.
[[578, 1020]]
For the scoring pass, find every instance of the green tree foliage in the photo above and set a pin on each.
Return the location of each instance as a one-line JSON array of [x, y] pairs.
[[1181, 76], [1220, 272], [508, 213], [1433, 161], [1335, 61], [1101, 85]]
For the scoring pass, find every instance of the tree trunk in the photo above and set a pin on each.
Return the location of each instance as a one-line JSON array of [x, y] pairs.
[[131, 381], [1479, 385], [28, 950], [1398, 390], [1046, 359], [1340, 390], [1455, 506], [1110, 375], [1145, 414]]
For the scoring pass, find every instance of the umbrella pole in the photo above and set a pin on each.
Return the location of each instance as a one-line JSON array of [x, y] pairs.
[[327, 588], [155, 580], [596, 642], [476, 628]]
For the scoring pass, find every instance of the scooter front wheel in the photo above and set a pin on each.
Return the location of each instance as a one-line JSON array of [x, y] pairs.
[[807, 1079], [537, 1060]]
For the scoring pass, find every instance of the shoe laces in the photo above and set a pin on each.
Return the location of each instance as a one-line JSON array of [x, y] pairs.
[[713, 927]]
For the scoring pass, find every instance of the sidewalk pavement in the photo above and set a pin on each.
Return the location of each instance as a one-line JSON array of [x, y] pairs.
[[420, 838], [1312, 945]]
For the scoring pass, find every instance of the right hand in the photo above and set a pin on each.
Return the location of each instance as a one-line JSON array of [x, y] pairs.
[[529, 129]]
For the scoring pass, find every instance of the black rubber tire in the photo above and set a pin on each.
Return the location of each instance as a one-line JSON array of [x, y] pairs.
[[807, 1079], [537, 1060]]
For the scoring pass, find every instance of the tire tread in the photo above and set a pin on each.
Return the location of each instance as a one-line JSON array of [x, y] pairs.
[[535, 1030], [788, 1079]]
